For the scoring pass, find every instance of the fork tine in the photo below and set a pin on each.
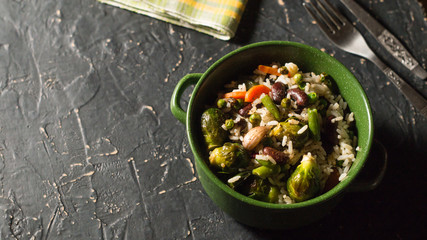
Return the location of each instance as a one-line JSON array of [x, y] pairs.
[[320, 18], [330, 9], [330, 13]]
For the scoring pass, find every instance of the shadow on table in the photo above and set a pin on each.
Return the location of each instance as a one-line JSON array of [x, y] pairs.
[[247, 23], [395, 210]]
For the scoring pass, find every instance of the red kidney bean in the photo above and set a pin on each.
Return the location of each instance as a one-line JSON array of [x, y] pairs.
[[330, 128], [278, 156], [332, 180], [245, 110], [278, 92], [299, 96]]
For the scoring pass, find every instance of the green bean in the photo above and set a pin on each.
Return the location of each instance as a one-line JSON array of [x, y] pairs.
[[313, 123], [271, 107]]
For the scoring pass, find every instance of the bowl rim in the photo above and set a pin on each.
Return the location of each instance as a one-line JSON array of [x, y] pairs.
[[337, 190]]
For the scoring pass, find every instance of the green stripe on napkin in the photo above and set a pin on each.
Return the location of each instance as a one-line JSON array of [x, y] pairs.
[[218, 18]]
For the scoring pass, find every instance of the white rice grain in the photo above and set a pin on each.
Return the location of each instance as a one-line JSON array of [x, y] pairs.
[[284, 141], [302, 130], [272, 123], [234, 179]]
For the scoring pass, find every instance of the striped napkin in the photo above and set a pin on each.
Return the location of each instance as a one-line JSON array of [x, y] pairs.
[[218, 18]]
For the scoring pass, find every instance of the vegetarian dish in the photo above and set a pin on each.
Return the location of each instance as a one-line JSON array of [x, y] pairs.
[[280, 135]]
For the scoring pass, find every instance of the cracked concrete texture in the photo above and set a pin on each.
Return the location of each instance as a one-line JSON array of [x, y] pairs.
[[89, 149]]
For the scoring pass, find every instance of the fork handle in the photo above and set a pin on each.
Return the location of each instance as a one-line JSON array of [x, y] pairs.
[[410, 93]]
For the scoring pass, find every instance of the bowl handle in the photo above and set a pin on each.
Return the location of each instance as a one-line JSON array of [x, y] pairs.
[[374, 170], [184, 83]]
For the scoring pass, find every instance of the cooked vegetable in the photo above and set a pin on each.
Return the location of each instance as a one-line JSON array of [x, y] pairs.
[[332, 180], [278, 156], [214, 134], [298, 78], [299, 96], [271, 107], [265, 172], [249, 84], [269, 70], [221, 103], [254, 137], [255, 92], [259, 189], [229, 124], [229, 157], [238, 179], [283, 70], [236, 95], [330, 130], [291, 132], [273, 194], [262, 190], [304, 182], [327, 79], [322, 107], [270, 143], [285, 103], [278, 92], [255, 118], [239, 104], [312, 97], [245, 110], [313, 123]]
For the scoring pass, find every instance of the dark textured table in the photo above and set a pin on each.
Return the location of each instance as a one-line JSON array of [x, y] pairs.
[[90, 150]]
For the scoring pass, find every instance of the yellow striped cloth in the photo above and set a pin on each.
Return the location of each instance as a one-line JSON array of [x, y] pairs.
[[218, 18]]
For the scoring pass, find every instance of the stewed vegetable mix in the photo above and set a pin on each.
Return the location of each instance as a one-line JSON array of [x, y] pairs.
[[280, 135]]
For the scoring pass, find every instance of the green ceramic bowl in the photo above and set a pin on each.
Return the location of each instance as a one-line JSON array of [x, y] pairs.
[[243, 61]]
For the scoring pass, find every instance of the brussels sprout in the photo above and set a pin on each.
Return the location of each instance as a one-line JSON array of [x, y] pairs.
[[304, 182], [273, 194], [266, 171], [238, 179], [259, 189], [229, 158], [221, 103], [262, 190], [291, 132], [214, 134]]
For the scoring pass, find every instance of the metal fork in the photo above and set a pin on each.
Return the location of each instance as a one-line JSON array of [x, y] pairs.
[[341, 32]]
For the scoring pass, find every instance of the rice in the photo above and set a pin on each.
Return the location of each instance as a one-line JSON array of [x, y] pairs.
[[302, 130], [341, 155], [234, 179]]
